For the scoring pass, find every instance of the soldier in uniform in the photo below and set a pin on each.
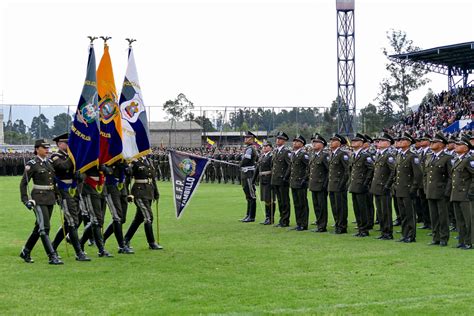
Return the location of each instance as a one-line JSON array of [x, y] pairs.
[[66, 186], [144, 191], [437, 186], [41, 201], [461, 191], [408, 175], [264, 172], [384, 172], [450, 150], [361, 172], [280, 178], [318, 182], [247, 170], [299, 182], [421, 203], [337, 183], [369, 147]]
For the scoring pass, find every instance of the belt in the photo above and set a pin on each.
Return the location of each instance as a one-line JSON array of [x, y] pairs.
[[143, 181], [265, 173], [43, 187], [67, 181], [94, 178], [249, 168]]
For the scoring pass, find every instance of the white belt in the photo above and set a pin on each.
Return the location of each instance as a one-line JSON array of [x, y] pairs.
[[245, 169], [143, 181], [43, 187], [265, 173], [67, 181], [94, 178]]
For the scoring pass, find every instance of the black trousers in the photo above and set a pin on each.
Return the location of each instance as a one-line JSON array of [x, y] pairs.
[[370, 210], [421, 208], [282, 193], [41, 230], [407, 214], [439, 219], [250, 196], [383, 203], [320, 206], [300, 201], [339, 209], [359, 203], [144, 214], [462, 210]]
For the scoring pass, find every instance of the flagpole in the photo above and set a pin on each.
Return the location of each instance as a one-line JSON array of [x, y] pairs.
[[197, 156]]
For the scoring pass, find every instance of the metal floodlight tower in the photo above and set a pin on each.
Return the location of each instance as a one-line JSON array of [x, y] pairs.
[[346, 88]]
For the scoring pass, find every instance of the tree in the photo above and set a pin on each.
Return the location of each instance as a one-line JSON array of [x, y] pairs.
[[404, 78], [385, 107], [371, 121], [205, 123], [178, 108], [39, 127], [62, 123]]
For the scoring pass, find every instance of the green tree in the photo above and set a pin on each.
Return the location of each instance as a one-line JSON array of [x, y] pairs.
[[178, 109], [62, 123], [205, 123], [370, 120], [39, 127], [404, 77]]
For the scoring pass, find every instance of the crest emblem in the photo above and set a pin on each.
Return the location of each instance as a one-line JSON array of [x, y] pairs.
[[108, 108], [87, 112], [187, 167], [132, 108]]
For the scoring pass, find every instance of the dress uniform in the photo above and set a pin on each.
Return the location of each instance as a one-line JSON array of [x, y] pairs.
[[318, 183], [299, 183], [461, 191], [280, 178], [384, 172], [264, 173], [143, 192], [361, 172], [66, 186], [437, 186], [337, 183], [421, 202], [247, 171], [408, 177], [370, 149], [41, 201]]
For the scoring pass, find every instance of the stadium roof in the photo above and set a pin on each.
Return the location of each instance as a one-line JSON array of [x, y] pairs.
[[168, 125], [459, 58]]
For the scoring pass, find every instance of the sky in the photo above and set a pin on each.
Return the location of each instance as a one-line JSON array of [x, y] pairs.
[[218, 53]]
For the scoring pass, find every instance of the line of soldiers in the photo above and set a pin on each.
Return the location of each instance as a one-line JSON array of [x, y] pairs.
[[13, 164], [426, 179], [83, 198]]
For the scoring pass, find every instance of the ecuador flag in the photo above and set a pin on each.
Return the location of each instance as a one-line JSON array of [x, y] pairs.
[[84, 136], [110, 120]]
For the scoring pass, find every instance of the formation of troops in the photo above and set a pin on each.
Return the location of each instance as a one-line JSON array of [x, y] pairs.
[[83, 198], [426, 179]]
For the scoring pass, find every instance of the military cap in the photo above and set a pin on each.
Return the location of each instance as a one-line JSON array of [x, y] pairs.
[[267, 143], [42, 143], [408, 137], [464, 140], [439, 138], [358, 137], [423, 136], [385, 136], [451, 139], [368, 138], [282, 135], [318, 138], [339, 138], [300, 138], [61, 138], [249, 134]]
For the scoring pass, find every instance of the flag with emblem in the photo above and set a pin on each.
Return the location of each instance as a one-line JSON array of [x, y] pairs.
[[135, 133], [186, 173], [110, 119], [84, 135]]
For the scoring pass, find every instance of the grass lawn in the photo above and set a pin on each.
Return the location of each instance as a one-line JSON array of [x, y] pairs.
[[213, 264]]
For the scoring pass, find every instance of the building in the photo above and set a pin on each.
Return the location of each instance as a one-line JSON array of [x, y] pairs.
[[175, 134], [231, 138]]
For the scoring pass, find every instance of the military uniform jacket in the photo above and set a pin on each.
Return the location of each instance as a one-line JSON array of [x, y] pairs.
[[299, 167], [361, 172], [143, 170], [265, 165], [408, 175], [319, 171], [384, 172], [63, 166], [281, 166], [338, 171], [248, 161], [42, 173], [462, 172], [424, 156], [437, 176]]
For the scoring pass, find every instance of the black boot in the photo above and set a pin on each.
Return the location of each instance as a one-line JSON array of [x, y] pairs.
[[98, 241], [108, 232], [85, 235], [53, 259], [58, 238], [48, 247], [117, 226], [131, 232], [25, 255], [80, 255], [150, 237], [252, 210]]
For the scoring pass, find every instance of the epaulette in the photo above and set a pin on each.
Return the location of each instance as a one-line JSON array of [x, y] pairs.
[[31, 162]]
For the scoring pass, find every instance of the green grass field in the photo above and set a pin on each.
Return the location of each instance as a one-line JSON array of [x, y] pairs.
[[213, 264]]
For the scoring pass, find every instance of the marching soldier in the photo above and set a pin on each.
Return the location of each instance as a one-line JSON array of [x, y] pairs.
[[437, 186], [299, 182], [318, 182], [361, 172], [264, 172], [337, 183], [461, 191], [144, 191], [384, 171], [66, 185], [247, 168], [41, 201], [408, 176], [280, 177]]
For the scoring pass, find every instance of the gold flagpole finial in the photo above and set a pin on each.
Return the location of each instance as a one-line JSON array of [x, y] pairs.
[[130, 41]]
